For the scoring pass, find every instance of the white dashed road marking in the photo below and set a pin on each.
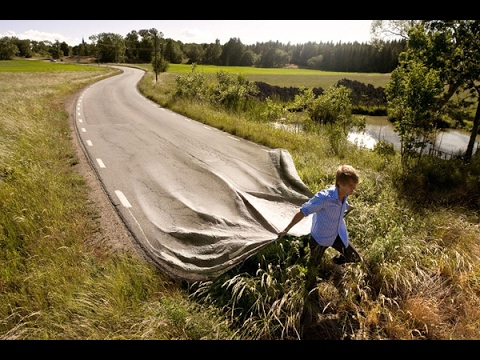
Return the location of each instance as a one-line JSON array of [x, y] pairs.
[[100, 163], [123, 199]]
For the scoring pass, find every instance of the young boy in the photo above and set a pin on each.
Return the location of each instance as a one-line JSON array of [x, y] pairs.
[[328, 207]]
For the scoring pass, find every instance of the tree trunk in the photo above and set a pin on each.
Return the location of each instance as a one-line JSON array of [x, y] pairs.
[[448, 95], [473, 135]]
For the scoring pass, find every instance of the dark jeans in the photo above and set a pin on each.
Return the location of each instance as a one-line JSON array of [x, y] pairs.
[[347, 254]]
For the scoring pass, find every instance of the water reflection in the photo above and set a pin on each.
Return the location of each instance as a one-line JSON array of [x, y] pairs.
[[379, 128], [449, 142]]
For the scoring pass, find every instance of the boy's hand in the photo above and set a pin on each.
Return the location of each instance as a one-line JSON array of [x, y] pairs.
[[281, 234]]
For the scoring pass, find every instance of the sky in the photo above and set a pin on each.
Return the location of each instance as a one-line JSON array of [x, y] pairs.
[[249, 32]]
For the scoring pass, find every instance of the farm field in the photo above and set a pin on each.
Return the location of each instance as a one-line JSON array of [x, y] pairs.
[[284, 77]]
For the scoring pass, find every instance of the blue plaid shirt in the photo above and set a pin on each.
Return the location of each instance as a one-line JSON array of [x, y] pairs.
[[327, 221]]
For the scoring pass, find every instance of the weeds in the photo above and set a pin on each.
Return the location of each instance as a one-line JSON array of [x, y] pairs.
[[399, 291], [419, 278], [54, 284]]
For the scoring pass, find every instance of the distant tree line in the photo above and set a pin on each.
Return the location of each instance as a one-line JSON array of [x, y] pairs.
[[139, 47]]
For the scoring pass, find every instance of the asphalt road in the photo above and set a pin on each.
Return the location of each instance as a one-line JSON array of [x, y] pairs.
[[197, 200]]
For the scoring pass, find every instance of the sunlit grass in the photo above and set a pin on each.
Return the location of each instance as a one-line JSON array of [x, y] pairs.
[[54, 284], [282, 77], [419, 278], [404, 288], [39, 65]]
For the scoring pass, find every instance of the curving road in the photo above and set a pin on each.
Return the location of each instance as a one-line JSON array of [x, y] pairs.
[[196, 199]]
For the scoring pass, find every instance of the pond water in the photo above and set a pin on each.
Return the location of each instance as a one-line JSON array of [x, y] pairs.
[[379, 128], [449, 142]]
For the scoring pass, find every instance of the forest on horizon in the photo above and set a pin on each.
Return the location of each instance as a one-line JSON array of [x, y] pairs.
[[141, 46]]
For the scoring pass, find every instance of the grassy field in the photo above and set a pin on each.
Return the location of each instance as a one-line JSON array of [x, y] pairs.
[[419, 278], [56, 282], [37, 65], [284, 77]]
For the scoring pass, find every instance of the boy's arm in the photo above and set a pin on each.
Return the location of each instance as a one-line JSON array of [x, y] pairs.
[[296, 218]]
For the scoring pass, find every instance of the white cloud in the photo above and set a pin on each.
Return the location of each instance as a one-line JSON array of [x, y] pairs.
[[8, 34], [197, 35], [36, 35]]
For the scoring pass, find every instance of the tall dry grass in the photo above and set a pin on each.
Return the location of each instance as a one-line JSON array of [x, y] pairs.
[[54, 284], [419, 278], [418, 250]]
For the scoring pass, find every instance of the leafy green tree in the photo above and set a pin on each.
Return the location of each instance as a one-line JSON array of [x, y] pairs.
[[452, 49], [388, 29], [274, 111], [41, 47], [110, 47], [315, 62], [159, 63], [456, 53], [146, 48], [248, 58], [195, 53], [24, 47], [80, 49], [55, 50], [173, 52], [8, 49], [213, 53], [412, 93], [334, 105], [94, 49], [65, 49], [333, 111], [274, 58], [132, 47], [232, 52], [304, 52]]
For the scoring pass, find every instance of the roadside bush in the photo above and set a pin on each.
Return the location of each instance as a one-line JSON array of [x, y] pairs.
[[232, 92], [192, 86]]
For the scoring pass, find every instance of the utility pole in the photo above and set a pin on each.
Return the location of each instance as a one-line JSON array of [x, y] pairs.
[[156, 51]]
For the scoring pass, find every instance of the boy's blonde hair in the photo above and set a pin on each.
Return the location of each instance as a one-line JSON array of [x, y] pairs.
[[346, 174]]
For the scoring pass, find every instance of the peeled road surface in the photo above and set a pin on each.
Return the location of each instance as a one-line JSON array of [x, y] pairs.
[[197, 200]]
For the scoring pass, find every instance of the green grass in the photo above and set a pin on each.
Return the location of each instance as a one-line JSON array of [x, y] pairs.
[[248, 70], [36, 65], [58, 279], [419, 278], [283, 77], [408, 266]]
